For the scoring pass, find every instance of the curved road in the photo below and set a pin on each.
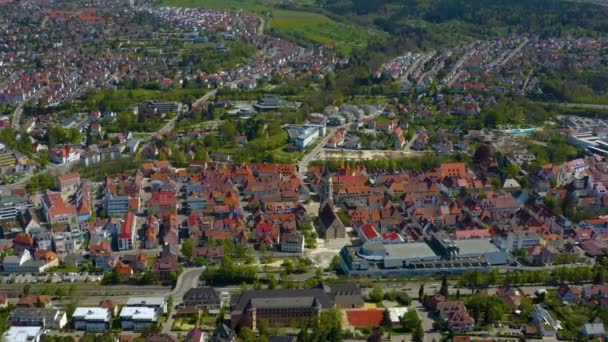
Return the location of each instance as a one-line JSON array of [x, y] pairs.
[[186, 281]]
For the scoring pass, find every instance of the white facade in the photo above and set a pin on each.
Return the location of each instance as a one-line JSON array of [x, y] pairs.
[[22, 334], [91, 319], [137, 318], [157, 303]]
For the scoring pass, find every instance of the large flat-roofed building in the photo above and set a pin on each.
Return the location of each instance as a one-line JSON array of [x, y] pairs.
[[91, 319], [416, 258], [157, 303], [137, 318], [279, 307], [22, 334]]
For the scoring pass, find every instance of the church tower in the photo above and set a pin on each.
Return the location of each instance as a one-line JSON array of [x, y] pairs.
[[327, 192]]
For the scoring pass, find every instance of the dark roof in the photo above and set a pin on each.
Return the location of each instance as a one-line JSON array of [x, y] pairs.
[[202, 293], [327, 215], [283, 298]]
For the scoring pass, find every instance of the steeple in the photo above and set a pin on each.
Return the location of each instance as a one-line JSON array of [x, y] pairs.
[[326, 186]]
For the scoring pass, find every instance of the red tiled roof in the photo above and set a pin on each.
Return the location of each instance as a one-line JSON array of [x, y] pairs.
[[365, 318], [126, 232], [369, 232]]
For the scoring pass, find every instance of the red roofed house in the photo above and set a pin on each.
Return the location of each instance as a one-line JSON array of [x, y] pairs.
[[68, 183], [127, 232], [367, 232], [163, 203], [56, 210]]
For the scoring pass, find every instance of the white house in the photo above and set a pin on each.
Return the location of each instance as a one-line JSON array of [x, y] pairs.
[[137, 318], [22, 334], [91, 319]]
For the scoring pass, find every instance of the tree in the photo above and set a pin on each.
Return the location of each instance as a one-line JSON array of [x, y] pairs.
[[272, 281], [376, 295], [421, 292], [188, 249], [387, 322], [418, 333], [444, 290], [410, 320]]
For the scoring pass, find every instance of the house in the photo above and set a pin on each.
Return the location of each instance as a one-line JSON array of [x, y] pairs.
[[23, 334], [68, 183], [344, 295], [109, 304], [330, 224], [34, 301], [292, 243], [13, 263], [569, 294], [196, 335], [137, 318], [541, 255], [53, 319], [64, 155], [212, 254], [203, 297], [545, 323], [157, 303], [510, 296], [91, 319], [593, 330], [592, 291], [127, 232]]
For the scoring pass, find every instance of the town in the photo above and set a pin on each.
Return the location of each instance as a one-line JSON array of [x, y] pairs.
[[180, 171]]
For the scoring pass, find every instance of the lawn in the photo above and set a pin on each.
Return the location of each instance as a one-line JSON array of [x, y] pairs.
[[299, 26], [321, 29], [247, 5]]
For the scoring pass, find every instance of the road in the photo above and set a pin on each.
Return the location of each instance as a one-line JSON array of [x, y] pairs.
[[17, 116], [306, 159], [576, 105], [515, 51], [187, 280]]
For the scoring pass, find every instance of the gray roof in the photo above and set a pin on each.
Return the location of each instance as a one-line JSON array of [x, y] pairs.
[[33, 313], [282, 298], [202, 293], [593, 329]]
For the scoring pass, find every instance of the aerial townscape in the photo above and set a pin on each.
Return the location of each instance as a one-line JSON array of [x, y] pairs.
[[303, 170]]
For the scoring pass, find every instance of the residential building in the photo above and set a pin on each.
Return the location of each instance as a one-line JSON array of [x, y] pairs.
[[157, 303], [56, 210], [91, 319], [127, 232], [23, 334], [292, 243], [68, 183], [519, 240], [45, 318], [137, 318], [594, 330], [344, 295], [203, 297]]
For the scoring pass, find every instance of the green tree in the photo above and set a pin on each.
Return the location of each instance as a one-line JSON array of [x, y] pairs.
[[188, 248], [418, 333], [410, 320], [376, 295]]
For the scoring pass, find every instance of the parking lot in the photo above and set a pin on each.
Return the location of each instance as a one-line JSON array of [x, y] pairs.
[[55, 278]]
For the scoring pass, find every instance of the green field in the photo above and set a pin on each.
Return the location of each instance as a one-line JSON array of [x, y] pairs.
[[298, 25], [316, 27], [247, 5]]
